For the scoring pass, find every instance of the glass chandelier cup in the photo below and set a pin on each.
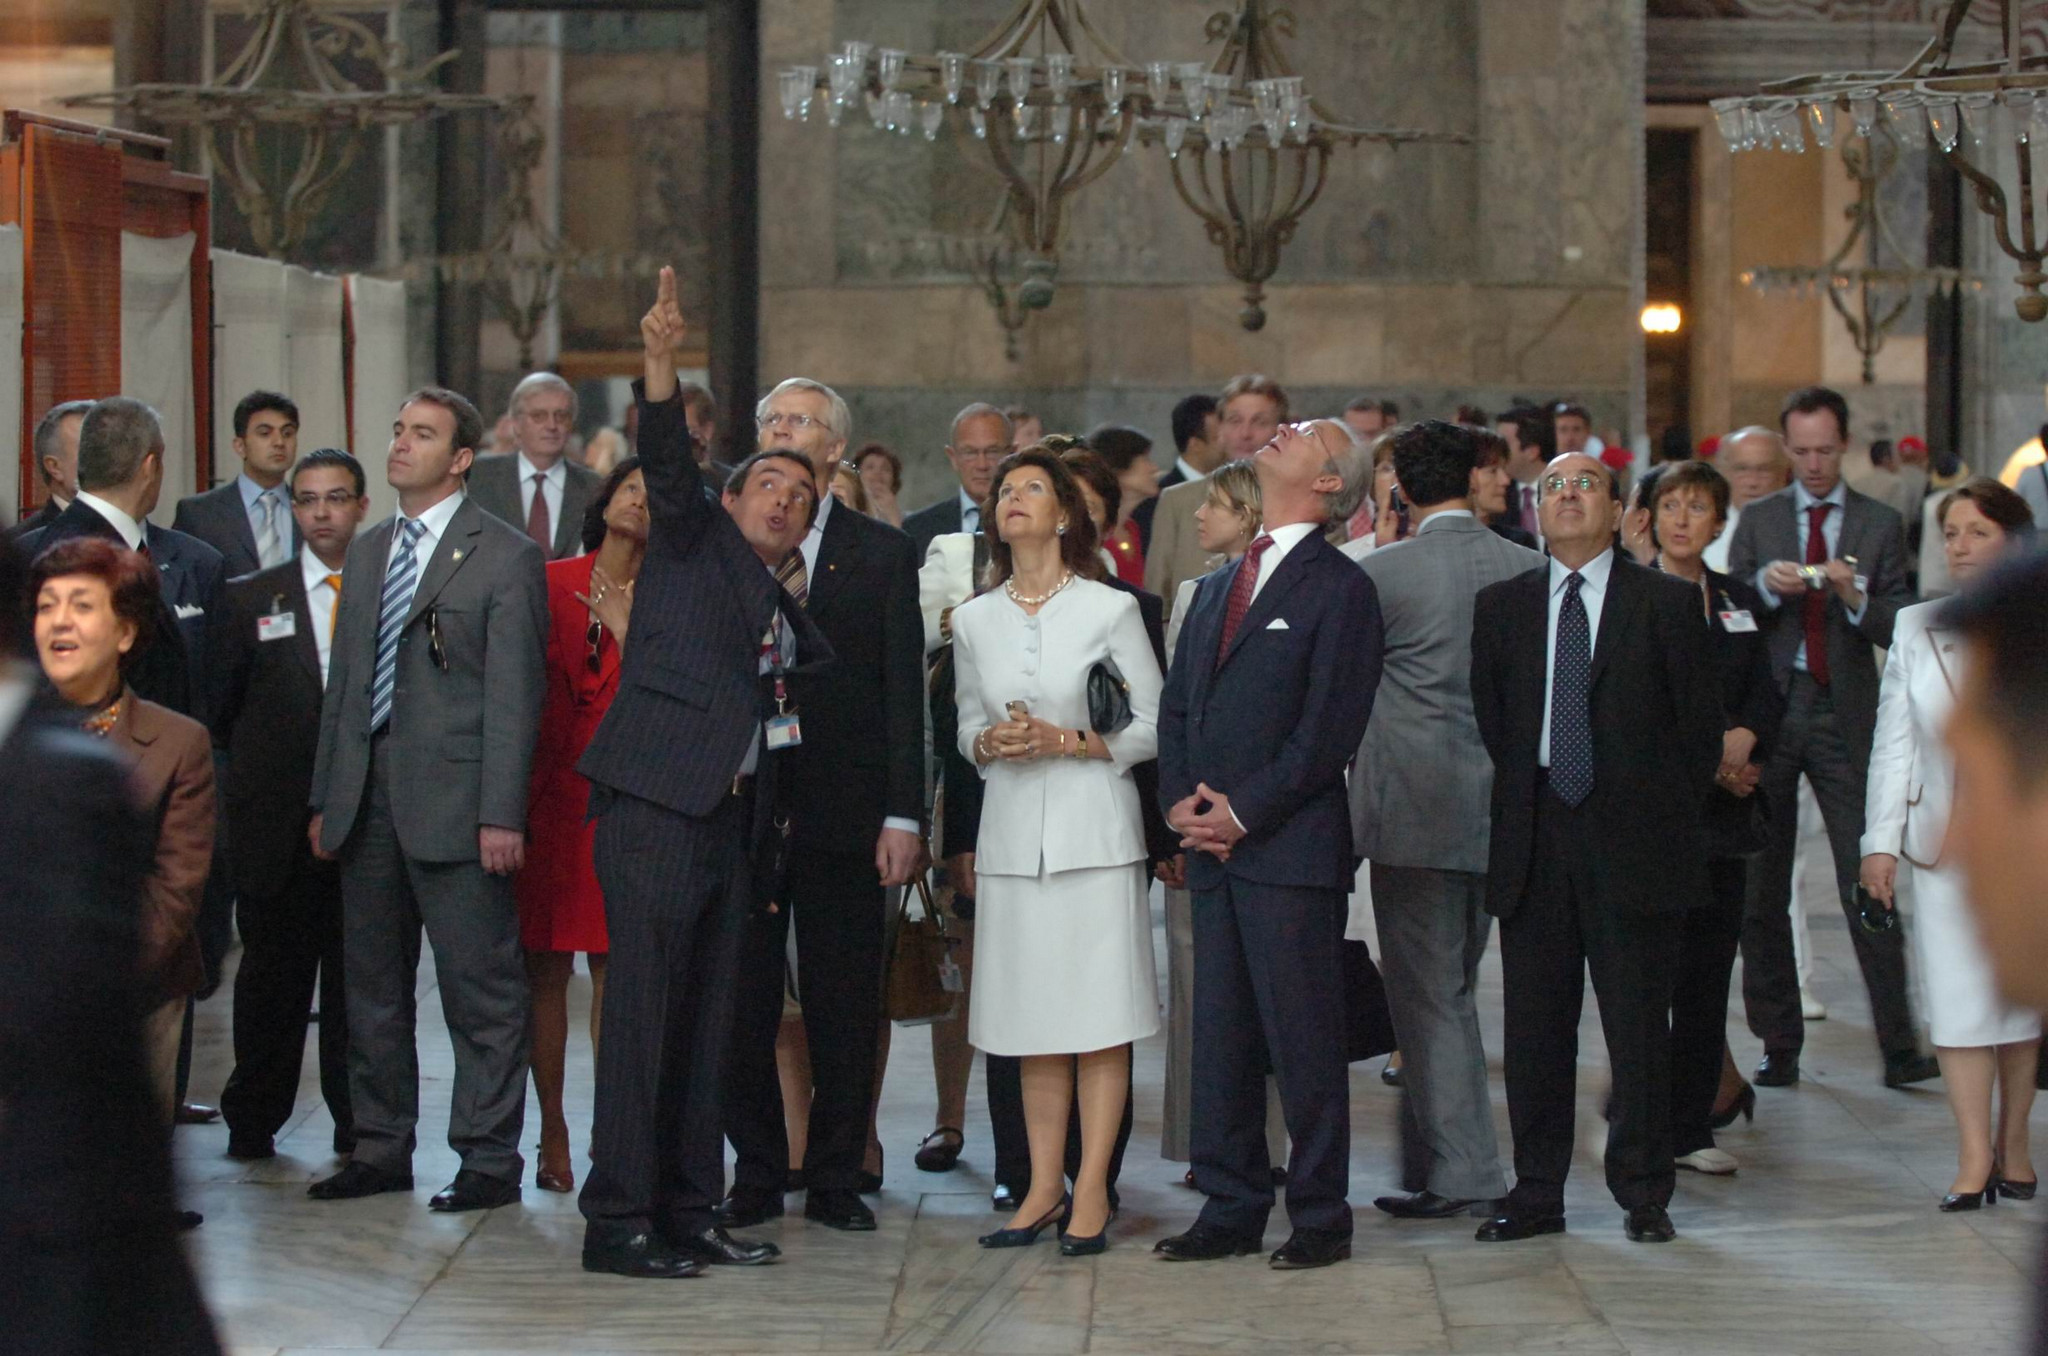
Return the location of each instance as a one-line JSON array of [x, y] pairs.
[[856, 53], [1020, 68], [1980, 113], [952, 74], [1863, 110], [1786, 129], [1216, 91], [889, 66], [1945, 122], [1175, 135], [930, 116], [1732, 122], [1159, 82], [1820, 117], [1059, 75], [988, 82], [1907, 113], [1113, 88]]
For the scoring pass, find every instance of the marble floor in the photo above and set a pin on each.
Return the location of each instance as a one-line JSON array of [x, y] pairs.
[[1828, 1241]]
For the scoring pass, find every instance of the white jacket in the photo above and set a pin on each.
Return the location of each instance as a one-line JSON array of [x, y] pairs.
[[1912, 782], [1064, 812]]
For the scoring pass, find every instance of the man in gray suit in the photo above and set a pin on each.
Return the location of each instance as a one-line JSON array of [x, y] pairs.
[[1419, 813], [1831, 566], [537, 487], [426, 740]]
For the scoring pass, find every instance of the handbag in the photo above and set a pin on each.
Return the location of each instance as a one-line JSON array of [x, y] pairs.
[[1109, 698], [924, 982]]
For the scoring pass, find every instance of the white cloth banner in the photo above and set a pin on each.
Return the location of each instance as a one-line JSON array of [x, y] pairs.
[[10, 369], [249, 344], [377, 307], [315, 381], [156, 351]]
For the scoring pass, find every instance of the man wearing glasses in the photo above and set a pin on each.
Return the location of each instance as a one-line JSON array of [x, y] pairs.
[[273, 637], [980, 439], [538, 488], [1592, 684]]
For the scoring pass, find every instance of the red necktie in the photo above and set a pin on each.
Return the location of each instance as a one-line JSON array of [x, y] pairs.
[[537, 525], [1816, 600], [1241, 585]]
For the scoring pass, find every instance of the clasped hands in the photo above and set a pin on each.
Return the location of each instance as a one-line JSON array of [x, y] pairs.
[[1738, 774], [1206, 823], [1025, 740]]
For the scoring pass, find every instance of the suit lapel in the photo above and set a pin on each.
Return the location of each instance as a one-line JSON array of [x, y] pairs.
[[1615, 616], [455, 548], [244, 533], [1293, 568], [838, 557], [305, 642], [569, 531], [1935, 635]]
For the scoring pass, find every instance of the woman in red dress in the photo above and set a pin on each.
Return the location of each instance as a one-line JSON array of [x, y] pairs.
[[1128, 454], [561, 909]]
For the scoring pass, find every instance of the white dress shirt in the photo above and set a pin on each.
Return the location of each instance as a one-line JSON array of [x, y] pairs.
[[130, 530], [1188, 474], [321, 601], [970, 513], [433, 522], [1593, 575], [551, 482], [1285, 539], [251, 493], [1803, 502]]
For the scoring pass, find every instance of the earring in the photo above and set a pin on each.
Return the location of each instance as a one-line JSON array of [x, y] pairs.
[[1063, 529]]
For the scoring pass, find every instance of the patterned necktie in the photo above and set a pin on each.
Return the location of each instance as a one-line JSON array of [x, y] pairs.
[[334, 607], [401, 582], [796, 581], [970, 518], [1530, 522], [1815, 602], [1241, 585], [269, 542], [537, 525], [1571, 707]]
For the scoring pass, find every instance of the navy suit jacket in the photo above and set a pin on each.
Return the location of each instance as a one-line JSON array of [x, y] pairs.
[[171, 671], [219, 518], [690, 697], [933, 520], [1274, 725]]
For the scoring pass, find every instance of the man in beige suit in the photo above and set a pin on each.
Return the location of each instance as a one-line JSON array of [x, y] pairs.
[[1250, 409]]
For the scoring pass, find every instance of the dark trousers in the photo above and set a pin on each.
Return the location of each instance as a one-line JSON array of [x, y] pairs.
[[1005, 1075], [1699, 1004], [472, 922], [1269, 996], [1554, 937], [289, 939], [676, 897], [835, 902], [1811, 741]]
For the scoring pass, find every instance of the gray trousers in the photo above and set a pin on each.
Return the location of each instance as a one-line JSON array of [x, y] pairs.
[[1433, 928], [472, 922]]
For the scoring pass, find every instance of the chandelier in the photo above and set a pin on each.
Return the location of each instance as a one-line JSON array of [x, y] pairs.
[[284, 79], [1983, 117], [1055, 105], [1868, 293]]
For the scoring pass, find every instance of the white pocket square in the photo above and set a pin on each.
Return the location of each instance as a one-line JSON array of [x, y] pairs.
[[1277, 624], [189, 610]]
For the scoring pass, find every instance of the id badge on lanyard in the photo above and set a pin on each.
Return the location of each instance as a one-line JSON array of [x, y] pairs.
[[782, 730]]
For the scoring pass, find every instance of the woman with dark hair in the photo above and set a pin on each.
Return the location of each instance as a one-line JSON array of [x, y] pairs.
[[561, 908], [1064, 974], [881, 475], [95, 606], [1685, 506], [1982, 1044], [1128, 455]]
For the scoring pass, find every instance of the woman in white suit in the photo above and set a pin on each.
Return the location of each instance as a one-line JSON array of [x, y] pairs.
[[1064, 931], [1979, 1041]]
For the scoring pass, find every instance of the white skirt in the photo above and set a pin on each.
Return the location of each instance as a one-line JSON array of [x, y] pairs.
[[1062, 963], [1963, 1006]]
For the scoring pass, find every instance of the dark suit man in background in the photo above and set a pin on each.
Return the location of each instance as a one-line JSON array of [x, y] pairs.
[[980, 439], [273, 643], [426, 741], [1195, 442], [537, 487], [1595, 693], [249, 519], [1270, 691], [1419, 794], [1831, 566], [56, 450], [1532, 445], [682, 775], [1249, 410], [855, 798]]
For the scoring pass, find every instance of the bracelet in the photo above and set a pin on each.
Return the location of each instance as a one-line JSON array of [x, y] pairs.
[[982, 749], [1081, 744]]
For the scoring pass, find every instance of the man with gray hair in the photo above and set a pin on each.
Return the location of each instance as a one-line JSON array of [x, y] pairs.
[[537, 487], [1754, 462], [56, 448], [120, 475], [981, 437]]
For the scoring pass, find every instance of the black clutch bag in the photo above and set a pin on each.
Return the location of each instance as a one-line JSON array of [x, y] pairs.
[[1109, 698]]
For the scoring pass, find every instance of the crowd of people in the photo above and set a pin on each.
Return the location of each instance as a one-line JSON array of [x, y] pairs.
[[707, 724]]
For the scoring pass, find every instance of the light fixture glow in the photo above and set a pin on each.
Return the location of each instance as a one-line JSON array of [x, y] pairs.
[[1662, 317]]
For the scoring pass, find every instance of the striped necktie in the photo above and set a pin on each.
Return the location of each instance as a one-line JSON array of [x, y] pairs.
[[269, 541], [792, 576], [401, 582]]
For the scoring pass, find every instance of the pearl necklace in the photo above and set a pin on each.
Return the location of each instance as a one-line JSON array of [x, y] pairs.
[[1025, 600]]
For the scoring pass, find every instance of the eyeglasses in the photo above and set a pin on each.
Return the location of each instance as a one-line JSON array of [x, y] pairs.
[[1585, 482], [334, 499], [982, 453], [594, 637], [795, 423]]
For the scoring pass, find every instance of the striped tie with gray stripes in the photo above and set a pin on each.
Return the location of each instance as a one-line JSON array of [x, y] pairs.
[[401, 581]]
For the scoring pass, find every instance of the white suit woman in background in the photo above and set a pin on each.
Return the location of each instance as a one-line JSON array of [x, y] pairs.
[[1064, 974], [1979, 1041]]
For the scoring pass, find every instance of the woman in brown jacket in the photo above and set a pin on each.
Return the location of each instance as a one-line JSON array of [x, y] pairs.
[[94, 606]]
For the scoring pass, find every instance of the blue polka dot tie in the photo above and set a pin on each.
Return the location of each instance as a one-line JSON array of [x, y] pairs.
[[1571, 713]]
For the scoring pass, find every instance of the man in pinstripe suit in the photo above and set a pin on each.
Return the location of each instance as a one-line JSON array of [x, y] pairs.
[[674, 770]]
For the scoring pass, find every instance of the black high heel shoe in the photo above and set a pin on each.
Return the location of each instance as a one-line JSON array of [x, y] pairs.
[[1971, 1200], [2015, 1191], [1744, 1106], [1025, 1235], [1073, 1245]]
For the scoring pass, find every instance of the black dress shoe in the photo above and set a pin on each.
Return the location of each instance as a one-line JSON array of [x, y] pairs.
[[1005, 1197], [1649, 1224], [745, 1207], [1778, 1069], [644, 1256], [1311, 1248], [1899, 1070], [1205, 1243], [356, 1180], [1509, 1227], [472, 1190], [1390, 1074], [1429, 1205], [839, 1209], [248, 1148], [188, 1220], [715, 1246]]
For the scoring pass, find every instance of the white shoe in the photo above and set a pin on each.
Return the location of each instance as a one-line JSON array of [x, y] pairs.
[[1811, 1008], [1712, 1162]]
